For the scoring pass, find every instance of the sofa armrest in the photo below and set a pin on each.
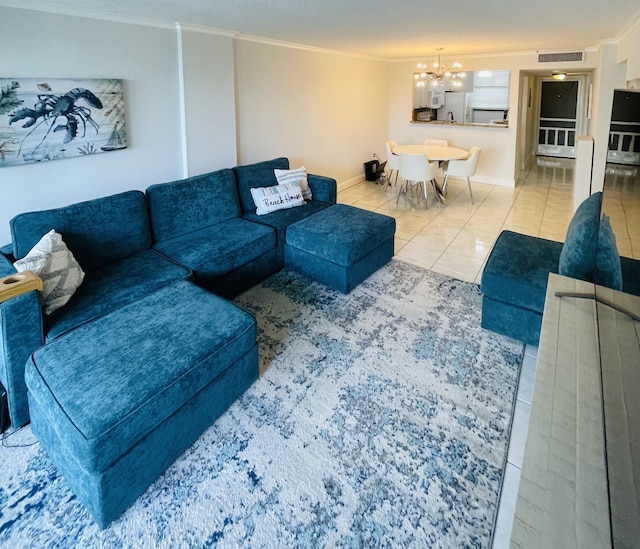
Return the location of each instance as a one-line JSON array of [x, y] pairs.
[[7, 251], [21, 333], [6, 266], [323, 188], [17, 284]]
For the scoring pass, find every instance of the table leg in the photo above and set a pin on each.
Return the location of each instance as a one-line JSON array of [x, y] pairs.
[[438, 192]]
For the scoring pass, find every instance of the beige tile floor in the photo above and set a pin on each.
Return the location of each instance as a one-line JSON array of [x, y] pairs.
[[456, 239], [621, 203]]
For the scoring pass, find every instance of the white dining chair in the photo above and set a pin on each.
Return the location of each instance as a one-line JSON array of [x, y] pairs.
[[393, 160], [416, 169], [440, 143], [434, 141], [464, 168]]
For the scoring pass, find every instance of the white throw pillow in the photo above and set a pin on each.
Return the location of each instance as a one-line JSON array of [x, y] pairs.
[[54, 263], [299, 175], [279, 197]]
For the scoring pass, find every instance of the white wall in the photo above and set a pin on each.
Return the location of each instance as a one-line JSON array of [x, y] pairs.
[[609, 76], [209, 121], [197, 102], [499, 145], [192, 105], [45, 46], [629, 50], [323, 110], [498, 158]]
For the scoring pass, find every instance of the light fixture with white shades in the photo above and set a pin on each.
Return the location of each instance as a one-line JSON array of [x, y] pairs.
[[559, 75], [438, 74]]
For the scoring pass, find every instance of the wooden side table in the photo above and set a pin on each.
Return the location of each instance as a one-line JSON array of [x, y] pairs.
[[580, 480]]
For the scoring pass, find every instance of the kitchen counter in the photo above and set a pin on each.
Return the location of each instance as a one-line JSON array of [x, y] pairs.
[[474, 124]]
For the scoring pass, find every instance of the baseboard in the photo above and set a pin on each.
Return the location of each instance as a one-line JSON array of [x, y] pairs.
[[489, 180], [348, 183]]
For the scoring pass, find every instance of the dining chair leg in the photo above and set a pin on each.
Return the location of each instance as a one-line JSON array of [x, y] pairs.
[[404, 183], [470, 192], [398, 195], [424, 190]]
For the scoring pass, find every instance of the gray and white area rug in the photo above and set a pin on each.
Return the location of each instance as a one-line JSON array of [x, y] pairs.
[[381, 419]]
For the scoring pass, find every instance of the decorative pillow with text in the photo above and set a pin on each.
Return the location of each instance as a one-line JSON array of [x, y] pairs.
[[299, 175], [54, 263], [279, 197]]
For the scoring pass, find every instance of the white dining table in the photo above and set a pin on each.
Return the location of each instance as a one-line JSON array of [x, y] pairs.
[[439, 153]]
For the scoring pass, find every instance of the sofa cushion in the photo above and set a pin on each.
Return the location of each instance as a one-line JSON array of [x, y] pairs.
[[518, 268], [281, 219], [578, 257], [216, 250], [54, 263], [607, 271], [98, 231], [106, 385], [188, 205], [256, 175], [113, 286]]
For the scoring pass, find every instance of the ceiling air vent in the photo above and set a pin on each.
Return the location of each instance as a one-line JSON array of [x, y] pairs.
[[561, 56]]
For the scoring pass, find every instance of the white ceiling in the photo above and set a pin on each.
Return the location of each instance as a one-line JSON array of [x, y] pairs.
[[390, 29]]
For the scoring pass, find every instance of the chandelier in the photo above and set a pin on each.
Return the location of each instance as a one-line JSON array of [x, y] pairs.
[[439, 74]]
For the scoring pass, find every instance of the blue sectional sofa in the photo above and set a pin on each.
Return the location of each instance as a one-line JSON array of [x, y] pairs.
[[208, 224], [514, 280], [132, 244], [148, 352], [111, 238]]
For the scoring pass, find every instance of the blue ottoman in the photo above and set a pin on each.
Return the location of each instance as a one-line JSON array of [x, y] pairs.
[[514, 284], [340, 246], [117, 400]]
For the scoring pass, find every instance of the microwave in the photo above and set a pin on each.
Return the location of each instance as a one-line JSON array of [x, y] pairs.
[[436, 99]]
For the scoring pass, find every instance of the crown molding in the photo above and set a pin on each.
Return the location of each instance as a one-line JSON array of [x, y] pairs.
[[480, 55], [628, 26], [205, 30], [88, 14], [483, 55], [271, 42]]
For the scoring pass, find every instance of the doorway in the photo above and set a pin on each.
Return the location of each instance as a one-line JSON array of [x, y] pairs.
[[624, 131], [560, 116]]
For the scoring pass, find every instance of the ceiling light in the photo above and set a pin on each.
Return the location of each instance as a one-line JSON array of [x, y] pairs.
[[439, 75], [559, 75]]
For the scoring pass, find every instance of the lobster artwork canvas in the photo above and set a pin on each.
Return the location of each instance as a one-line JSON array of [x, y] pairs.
[[49, 119]]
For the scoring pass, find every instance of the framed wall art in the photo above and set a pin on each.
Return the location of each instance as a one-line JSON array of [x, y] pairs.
[[52, 118]]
